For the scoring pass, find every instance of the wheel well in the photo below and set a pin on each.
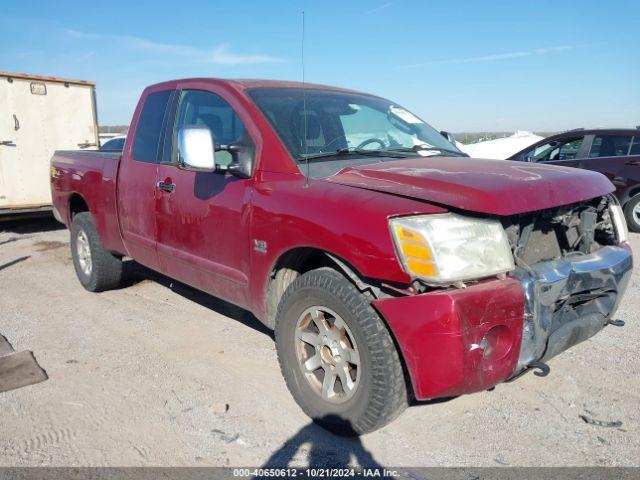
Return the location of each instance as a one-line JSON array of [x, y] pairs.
[[289, 267], [77, 205], [296, 262], [632, 193]]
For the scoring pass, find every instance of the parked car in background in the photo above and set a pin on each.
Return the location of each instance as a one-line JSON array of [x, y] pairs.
[[39, 115], [613, 152], [389, 264], [115, 144]]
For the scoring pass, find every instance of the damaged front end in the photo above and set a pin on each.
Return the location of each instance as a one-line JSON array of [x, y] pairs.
[[573, 268]]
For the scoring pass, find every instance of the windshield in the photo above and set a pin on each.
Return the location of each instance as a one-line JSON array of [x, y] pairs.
[[326, 126]]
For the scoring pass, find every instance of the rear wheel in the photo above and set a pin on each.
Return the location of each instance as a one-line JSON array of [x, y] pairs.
[[337, 356], [632, 213], [96, 268]]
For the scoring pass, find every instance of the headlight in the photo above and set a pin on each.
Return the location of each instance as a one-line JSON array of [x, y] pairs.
[[448, 248], [619, 222]]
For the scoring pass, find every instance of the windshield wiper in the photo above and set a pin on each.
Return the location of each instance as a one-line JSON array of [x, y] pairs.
[[349, 151], [381, 152], [418, 148]]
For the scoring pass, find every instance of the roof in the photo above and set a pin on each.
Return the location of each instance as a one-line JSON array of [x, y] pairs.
[[601, 130], [41, 78], [244, 84], [260, 83]]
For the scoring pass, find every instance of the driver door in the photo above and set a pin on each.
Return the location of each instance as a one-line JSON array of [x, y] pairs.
[[564, 152], [202, 217]]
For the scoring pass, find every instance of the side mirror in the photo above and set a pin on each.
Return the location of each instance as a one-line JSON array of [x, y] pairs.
[[449, 136], [195, 149]]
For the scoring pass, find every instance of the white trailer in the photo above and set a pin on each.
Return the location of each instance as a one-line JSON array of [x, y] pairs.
[[39, 115]]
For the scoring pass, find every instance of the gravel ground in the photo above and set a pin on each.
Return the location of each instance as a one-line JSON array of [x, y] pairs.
[[140, 376]]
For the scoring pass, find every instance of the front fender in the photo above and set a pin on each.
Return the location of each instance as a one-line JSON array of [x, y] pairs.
[[349, 223]]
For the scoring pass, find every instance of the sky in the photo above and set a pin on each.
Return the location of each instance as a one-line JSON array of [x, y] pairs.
[[461, 66]]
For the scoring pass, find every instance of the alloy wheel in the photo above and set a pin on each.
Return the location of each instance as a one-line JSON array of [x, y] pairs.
[[84, 252], [327, 354]]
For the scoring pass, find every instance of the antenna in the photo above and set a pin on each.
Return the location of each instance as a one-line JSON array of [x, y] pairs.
[[304, 110]]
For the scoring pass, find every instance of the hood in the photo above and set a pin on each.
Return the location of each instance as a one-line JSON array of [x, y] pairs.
[[496, 187]]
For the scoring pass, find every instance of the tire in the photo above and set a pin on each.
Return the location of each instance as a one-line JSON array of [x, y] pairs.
[[96, 268], [378, 391], [632, 213]]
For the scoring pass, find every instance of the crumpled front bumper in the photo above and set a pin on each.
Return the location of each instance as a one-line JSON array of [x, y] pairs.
[[460, 341], [569, 300]]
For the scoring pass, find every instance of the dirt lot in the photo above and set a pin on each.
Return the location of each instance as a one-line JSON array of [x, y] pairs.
[[138, 377]]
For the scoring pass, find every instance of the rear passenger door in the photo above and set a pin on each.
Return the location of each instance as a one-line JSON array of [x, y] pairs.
[[609, 155], [137, 193]]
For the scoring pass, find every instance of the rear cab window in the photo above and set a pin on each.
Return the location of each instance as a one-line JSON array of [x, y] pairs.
[[635, 146], [149, 128]]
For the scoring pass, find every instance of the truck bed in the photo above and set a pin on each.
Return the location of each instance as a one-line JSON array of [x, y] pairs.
[[86, 179]]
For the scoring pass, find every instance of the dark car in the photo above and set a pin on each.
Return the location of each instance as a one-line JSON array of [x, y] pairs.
[[614, 152], [115, 144]]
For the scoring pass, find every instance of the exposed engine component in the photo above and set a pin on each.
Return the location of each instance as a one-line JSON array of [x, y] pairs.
[[577, 229]]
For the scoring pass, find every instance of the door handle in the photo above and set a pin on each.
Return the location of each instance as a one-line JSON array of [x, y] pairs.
[[633, 162], [7, 143], [167, 187]]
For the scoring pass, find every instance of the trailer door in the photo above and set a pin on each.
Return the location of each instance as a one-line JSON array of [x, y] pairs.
[[8, 147], [40, 117]]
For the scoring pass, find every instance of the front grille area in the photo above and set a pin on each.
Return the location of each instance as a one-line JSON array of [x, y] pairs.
[[577, 229]]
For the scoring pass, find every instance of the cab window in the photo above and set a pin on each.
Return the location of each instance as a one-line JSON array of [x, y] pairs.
[[149, 128], [610, 146], [635, 146], [557, 150], [199, 107]]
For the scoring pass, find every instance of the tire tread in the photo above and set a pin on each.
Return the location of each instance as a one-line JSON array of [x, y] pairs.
[[389, 391], [106, 269], [633, 225]]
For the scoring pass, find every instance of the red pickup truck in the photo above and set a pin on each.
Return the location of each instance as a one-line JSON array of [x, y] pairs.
[[390, 265]]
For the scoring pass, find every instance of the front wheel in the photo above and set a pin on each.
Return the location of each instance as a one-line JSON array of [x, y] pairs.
[[96, 268], [632, 213], [337, 356]]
